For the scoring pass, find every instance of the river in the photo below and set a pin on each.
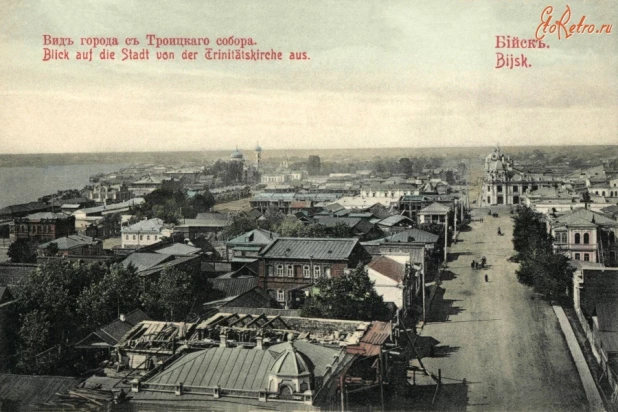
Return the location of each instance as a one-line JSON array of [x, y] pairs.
[[27, 184]]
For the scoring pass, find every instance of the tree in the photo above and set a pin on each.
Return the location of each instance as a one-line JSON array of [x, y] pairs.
[[22, 251], [406, 166], [341, 230], [273, 217], [314, 165], [111, 224], [47, 302], [240, 224], [546, 271], [350, 297], [586, 197], [289, 228], [119, 291], [51, 249], [201, 203], [172, 296]]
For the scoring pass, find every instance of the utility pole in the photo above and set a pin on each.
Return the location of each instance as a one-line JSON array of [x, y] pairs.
[[423, 291], [445, 238], [455, 223]]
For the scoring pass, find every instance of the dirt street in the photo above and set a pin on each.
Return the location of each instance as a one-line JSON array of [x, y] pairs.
[[498, 335]]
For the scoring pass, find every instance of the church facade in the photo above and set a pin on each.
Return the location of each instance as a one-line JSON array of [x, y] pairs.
[[504, 184]]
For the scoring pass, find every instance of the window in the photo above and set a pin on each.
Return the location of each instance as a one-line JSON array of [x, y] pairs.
[[133, 237], [280, 295], [147, 237], [126, 237], [489, 188], [586, 238], [499, 188], [279, 270], [269, 270], [577, 238], [327, 272], [306, 271], [156, 237], [577, 256], [586, 257], [316, 272], [515, 189], [564, 238], [290, 271]]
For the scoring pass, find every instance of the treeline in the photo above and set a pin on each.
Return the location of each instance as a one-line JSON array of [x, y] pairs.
[[408, 166], [275, 221], [172, 206], [63, 301], [547, 272]]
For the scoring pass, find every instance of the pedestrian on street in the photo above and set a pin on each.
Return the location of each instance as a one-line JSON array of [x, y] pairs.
[[486, 278]]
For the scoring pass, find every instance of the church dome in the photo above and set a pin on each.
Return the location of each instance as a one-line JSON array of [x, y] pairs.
[[258, 148], [290, 363], [236, 155]]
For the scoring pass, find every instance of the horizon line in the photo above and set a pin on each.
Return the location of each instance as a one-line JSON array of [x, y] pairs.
[[231, 149]]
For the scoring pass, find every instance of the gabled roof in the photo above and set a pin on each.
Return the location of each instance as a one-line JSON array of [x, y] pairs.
[[583, 217], [394, 220], [24, 208], [257, 236], [389, 268], [47, 215], [110, 334], [145, 261], [310, 248], [179, 249], [413, 235], [435, 207], [233, 286], [71, 241], [5, 295], [151, 225]]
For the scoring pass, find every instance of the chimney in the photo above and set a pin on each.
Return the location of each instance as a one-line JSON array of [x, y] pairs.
[[223, 339], [122, 317], [259, 342]]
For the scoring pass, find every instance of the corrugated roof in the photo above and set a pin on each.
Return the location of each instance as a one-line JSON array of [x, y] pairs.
[[233, 286], [583, 217], [230, 368], [314, 248], [27, 390]]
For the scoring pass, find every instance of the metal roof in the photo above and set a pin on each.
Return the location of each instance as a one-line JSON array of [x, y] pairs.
[[179, 249], [26, 390], [258, 236], [233, 286], [310, 248], [70, 242], [144, 261], [230, 368], [435, 208], [413, 235]]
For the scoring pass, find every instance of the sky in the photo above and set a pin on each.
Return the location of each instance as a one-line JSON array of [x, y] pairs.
[[381, 74]]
